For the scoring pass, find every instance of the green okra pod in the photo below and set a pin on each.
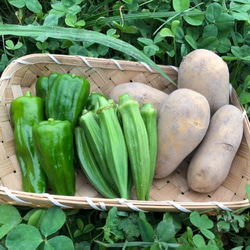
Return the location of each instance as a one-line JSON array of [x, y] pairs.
[[137, 144], [149, 116], [90, 124], [114, 145], [89, 165]]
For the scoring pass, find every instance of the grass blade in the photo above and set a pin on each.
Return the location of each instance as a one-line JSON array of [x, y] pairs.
[[80, 35]]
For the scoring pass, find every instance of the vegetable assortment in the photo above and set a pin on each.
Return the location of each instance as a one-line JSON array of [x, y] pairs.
[[111, 142], [125, 140]]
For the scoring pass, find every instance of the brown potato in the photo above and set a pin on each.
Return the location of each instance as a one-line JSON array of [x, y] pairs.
[[183, 121], [211, 163], [205, 72], [141, 92]]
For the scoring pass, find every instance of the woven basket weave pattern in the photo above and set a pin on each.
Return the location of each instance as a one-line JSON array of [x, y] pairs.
[[171, 193]]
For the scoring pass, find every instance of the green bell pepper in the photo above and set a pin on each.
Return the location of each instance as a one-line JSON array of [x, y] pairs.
[[66, 98], [43, 83], [25, 111], [53, 141]]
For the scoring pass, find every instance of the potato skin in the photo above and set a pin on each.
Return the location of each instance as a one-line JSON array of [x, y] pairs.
[[141, 92], [182, 124], [212, 161], [205, 72]]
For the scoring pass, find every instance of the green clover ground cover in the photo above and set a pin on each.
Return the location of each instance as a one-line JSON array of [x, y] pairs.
[[156, 32], [54, 228]]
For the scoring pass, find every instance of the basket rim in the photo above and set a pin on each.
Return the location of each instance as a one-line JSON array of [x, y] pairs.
[[46, 200], [103, 204]]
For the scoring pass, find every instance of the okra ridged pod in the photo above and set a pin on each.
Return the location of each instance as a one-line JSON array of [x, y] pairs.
[[114, 145], [137, 144], [89, 122], [89, 165], [149, 116]]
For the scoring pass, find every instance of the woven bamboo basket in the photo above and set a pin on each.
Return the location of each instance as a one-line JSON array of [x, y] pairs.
[[168, 194]]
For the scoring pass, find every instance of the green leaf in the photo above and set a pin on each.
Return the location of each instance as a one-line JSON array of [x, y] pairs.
[[80, 224], [184, 50], [199, 241], [130, 30], [78, 50], [17, 3], [236, 51], [155, 247], [10, 217], [202, 221], [23, 236], [223, 226], [194, 32], [181, 5], [111, 32], [206, 222], [224, 22], [207, 233], [88, 228], [166, 32], [241, 16], [51, 20], [191, 41], [214, 14], [194, 17], [210, 30], [68, 3], [9, 44], [80, 23], [213, 11], [240, 219], [165, 230], [84, 36], [34, 6], [195, 218], [102, 50], [82, 245], [52, 221], [36, 218], [3, 63], [70, 20], [112, 222], [224, 45], [146, 41], [60, 242], [18, 45], [210, 43], [129, 225], [246, 59], [146, 230], [189, 235], [176, 219], [158, 38], [179, 34], [151, 50], [58, 9]]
